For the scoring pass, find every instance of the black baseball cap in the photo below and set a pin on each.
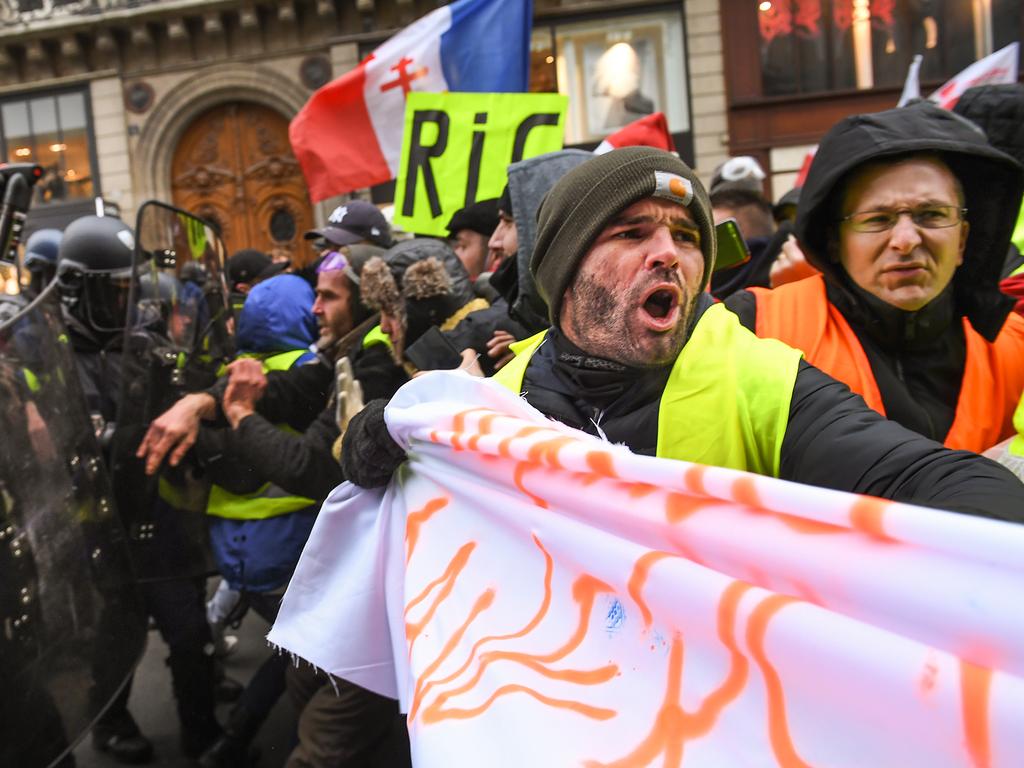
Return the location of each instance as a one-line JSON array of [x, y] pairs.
[[354, 222], [246, 265]]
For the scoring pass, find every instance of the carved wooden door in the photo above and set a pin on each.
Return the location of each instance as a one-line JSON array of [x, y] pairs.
[[233, 165]]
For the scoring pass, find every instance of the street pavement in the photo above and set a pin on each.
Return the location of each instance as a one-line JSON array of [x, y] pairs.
[[152, 704]]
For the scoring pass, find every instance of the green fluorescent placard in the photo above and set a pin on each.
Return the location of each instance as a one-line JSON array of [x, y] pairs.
[[457, 146]]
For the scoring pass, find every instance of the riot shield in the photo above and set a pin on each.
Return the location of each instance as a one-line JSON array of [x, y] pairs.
[[176, 339], [73, 624]]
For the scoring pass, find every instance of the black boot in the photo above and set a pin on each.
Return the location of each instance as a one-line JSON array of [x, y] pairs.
[[117, 734], [232, 749], [193, 678]]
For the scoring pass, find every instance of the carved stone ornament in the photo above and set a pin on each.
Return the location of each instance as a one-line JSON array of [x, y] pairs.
[[315, 71], [138, 97]]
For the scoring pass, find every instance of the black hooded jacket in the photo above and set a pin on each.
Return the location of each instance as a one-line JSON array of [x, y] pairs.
[[917, 358]]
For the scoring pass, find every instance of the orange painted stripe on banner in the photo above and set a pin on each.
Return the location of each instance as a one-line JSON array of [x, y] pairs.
[[415, 520], [455, 567], [483, 602], [694, 479], [638, 579], [546, 451], [867, 515], [530, 626], [666, 735], [521, 469], [778, 727], [703, 720], [975, 689], [484, 427], [585, 591], [679, 506], [601, 463], [504, 447], [594, 713]]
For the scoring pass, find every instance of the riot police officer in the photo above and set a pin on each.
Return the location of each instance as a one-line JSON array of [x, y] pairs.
[[94, 271], [40, 260]]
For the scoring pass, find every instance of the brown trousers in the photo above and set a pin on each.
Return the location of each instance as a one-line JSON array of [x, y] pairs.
[[343, 725]]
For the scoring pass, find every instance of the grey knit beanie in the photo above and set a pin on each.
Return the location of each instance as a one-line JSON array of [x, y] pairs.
[[580, 205]]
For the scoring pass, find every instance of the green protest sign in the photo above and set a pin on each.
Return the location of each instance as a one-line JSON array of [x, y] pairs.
[[457, 146]]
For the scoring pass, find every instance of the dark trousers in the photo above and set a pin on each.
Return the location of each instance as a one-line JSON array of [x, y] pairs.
[[178, 607], [342, 725], [267, 684]]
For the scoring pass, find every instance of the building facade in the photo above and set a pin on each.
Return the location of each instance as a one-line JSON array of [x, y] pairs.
[[188, 101]]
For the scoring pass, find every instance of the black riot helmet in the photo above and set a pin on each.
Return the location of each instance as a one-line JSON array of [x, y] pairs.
[[94, 271]]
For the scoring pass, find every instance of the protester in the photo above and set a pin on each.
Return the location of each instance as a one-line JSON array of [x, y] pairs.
[[416, 286], [469, 231], [257, 529], [628, 238], [908, 214], [999, 111], [318, 398]]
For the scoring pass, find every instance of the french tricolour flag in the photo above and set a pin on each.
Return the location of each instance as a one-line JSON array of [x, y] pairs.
[[349, 133]]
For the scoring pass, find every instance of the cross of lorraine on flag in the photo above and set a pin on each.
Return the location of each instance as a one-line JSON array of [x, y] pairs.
[[349, 133]]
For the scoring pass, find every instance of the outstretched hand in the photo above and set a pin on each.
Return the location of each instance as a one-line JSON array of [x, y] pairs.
[[175, 431]]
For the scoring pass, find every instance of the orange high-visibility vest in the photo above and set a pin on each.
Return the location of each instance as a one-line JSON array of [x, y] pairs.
[[801, 315]]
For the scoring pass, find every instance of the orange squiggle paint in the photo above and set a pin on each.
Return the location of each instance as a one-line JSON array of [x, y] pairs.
[[638, 579], [778, 727], [867, 515], [666, 735], [679, 506], [505, 446], [546, 451], [484, 427], [483, 602], [517, 477], [455, 566], [601, 463], [459, 419], [639, 490], [694, 479], [585, 590], [744, 491], [703, 720], [415, 520], [530, 626], [595, 713], [975, 687]]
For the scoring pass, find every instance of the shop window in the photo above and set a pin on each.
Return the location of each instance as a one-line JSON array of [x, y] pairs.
[[614, 70], [52, 130], [810, 46]]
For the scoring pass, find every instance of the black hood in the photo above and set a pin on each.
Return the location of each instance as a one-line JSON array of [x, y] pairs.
[[992, 181]]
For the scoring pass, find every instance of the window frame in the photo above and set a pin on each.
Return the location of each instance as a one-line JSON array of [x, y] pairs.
[[54, 93]]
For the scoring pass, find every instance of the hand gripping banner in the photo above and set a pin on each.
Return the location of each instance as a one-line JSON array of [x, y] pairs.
[[537, 597]]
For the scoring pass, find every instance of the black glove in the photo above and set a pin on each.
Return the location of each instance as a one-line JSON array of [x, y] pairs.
[[369, 455]]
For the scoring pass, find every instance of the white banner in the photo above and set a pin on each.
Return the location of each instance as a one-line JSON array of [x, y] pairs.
[[537, 597]]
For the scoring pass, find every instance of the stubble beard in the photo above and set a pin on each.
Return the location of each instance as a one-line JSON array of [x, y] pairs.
[[605, 326]]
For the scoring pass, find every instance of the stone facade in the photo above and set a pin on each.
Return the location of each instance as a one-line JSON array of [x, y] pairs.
[[152, 66]]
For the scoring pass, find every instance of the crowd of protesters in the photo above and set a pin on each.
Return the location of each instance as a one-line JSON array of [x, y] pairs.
[[870, 344]]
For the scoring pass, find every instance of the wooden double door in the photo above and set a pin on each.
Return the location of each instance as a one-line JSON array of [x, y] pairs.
[[234, 166]]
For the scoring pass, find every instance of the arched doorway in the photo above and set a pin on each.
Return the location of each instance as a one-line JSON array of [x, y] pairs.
[[234, 166]]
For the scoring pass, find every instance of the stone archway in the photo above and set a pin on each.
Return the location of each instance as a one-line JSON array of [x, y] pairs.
[[188, 100], [233, 165]]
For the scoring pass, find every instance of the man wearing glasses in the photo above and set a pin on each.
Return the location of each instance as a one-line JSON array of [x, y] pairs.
[[908, 215]]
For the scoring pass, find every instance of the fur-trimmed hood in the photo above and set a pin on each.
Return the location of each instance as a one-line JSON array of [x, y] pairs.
[[420, 281]]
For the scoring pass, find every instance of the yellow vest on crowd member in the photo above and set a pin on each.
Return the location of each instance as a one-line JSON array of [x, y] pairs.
[[268, 500], [376, 336], [726, 402]]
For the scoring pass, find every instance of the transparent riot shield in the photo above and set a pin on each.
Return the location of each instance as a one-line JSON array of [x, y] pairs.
[[73, 627], [176, 339]]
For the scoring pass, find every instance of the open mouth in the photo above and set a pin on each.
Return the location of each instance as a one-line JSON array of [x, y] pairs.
[[661, 307]]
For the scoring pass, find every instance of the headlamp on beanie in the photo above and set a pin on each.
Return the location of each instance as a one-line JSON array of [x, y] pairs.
[[582, 203]]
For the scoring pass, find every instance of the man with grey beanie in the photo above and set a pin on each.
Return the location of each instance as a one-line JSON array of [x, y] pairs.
[[638, 353]]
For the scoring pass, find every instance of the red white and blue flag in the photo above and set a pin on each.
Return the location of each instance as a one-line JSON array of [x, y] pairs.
[[349, 133]]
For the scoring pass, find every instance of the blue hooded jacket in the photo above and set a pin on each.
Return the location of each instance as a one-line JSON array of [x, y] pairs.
[[260, 555]]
